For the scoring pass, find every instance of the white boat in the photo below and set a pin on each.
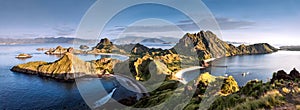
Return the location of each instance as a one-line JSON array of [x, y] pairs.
[[245, 73], [226, 75]]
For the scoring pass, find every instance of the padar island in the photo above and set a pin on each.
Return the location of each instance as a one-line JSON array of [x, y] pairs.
[[282, 91]]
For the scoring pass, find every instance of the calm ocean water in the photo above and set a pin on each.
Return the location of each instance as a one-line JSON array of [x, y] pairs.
[[259, 67], [21, 91]]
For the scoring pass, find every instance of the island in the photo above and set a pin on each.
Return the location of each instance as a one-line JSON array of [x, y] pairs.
[[23, 56]]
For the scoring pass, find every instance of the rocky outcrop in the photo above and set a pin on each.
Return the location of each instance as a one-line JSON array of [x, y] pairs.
[[23, 56], [68, 67], [282, 75], [105, 46], [295, 74]]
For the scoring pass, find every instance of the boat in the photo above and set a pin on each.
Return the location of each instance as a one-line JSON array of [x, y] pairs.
[[226, 75], [245, 73]]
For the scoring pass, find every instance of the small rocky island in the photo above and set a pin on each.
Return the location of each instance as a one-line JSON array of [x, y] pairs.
[[191, 50], [23, 56]]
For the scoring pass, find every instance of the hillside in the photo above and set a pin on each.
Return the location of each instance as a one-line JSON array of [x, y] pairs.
[[207, 45]]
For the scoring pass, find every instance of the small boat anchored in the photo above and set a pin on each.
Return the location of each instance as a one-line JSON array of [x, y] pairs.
[[245, 73]]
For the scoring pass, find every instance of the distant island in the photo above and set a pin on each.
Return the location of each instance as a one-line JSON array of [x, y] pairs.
[[135, 40], [290, 48], [153, 40], [11, 41]]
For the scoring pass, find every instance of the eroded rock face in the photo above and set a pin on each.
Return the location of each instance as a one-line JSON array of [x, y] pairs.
[[68, 67]]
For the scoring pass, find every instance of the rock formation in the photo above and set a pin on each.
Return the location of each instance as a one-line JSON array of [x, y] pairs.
[[295, 74], [105, 46], [282, 75]]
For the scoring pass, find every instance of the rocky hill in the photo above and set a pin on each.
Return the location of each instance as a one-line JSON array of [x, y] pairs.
[[207, 45]]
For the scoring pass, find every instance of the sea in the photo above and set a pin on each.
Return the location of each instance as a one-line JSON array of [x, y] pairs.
[[22, 91]]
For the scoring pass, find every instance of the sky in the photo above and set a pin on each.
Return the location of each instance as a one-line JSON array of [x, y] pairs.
[[253, 21]]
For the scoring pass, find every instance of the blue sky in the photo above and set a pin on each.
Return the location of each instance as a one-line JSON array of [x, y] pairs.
[[272, 21]]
